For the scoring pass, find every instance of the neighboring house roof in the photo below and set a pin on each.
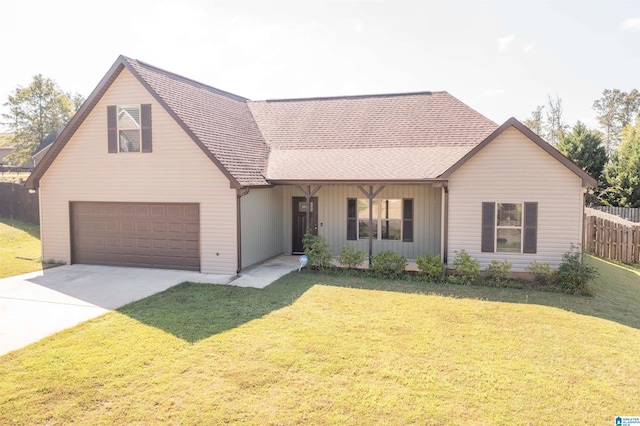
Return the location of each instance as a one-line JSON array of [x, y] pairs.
[[44, 146], [397, 137], [5, 151], [48, 140], [410, 136]]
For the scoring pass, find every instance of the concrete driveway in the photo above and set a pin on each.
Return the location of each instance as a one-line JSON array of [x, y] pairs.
[[38, 304]]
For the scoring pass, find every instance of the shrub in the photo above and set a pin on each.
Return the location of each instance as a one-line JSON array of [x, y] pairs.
[[542, 273], [466, 269], [498, 272], [317, 250], [573, 274], [388, 264], [430, 266], [351, 256]]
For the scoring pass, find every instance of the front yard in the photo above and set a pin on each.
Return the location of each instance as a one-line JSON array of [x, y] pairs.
[[19, 247], [320, 349]]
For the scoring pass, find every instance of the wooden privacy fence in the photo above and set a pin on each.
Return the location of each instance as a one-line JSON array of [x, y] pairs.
[[611, 237], [629, 213], [17, 203]]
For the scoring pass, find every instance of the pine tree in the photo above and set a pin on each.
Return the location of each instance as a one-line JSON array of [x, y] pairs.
[[623, 173], [586, 149]]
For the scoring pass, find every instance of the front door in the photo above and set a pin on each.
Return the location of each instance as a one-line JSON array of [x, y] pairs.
[[300, 221]]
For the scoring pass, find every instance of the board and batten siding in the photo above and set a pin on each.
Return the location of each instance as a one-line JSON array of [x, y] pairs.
[[513, 169], [332, 218], [261, 219], [177, 171]]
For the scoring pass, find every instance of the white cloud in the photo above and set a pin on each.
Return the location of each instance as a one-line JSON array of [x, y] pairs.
[[630, 23], [504, 42], [529, 47]]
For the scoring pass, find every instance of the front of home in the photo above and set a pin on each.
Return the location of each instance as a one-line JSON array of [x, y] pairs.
[[157, 170]]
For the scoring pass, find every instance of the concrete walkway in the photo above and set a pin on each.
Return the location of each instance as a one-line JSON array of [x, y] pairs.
[[38, 304]]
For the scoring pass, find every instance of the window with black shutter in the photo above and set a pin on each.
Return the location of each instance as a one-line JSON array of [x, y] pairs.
[[129, 128], [407, 220], [352, 219]]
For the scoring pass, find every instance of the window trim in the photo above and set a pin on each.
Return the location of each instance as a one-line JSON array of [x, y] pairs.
[[520, 227], [113, 128], [138, 128], [378, 219], [529, 227]]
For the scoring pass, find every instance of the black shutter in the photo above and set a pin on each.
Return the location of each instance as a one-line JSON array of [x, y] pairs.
[[112, 129], [530, 228], [352, 219], [407, 220], [488, 227], [145, 124]]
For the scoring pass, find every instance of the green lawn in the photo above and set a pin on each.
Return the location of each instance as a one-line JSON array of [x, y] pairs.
[[319, 349], [19, 247]]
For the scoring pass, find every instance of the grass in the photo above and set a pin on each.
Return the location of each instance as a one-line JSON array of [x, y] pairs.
[[14, 176], [319, 349], [19, 248]]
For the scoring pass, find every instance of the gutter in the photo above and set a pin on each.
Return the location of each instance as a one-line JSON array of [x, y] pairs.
[[239, 194]]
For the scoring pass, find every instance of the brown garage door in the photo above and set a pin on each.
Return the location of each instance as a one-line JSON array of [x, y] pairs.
[[148, 235]]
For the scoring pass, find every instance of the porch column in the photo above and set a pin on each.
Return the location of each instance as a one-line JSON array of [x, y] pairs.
[[371, 194]]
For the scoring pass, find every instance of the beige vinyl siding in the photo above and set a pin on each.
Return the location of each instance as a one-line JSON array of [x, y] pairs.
[[332, 218], [513, 169], [261, 212], [176, 171]]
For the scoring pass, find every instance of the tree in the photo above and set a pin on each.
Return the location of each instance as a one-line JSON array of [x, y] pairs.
[[615, 109], [34, 112], [623, 173], [555, 127], [548, 126], [586, 149], [536, 121]]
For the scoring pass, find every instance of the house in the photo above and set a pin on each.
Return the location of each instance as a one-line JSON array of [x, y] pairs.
[[157, 170], [44, 146], [5, 148]]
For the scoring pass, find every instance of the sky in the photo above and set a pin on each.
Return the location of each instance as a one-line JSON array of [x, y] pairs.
[[503, 58]]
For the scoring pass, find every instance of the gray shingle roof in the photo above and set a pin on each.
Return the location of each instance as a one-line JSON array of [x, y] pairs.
[[401, 136], [412, 136], [220, 120]]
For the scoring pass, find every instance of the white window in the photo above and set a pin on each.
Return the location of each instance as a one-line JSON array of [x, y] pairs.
[[129, 133], [387, 219], [509, 227]]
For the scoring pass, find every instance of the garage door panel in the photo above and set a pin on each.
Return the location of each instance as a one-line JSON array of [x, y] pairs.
[[136, 234]]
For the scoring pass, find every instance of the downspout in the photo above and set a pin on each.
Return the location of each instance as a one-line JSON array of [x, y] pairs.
[[445, 222], [239, 194]]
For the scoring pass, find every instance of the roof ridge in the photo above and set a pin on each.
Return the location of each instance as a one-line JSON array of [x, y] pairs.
[[348, 97], [187, 80]]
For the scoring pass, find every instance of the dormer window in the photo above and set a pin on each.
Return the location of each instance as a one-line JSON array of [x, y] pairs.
[[129, 128]]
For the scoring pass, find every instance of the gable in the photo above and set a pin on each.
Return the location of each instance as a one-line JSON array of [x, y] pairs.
[[219, 123], [532, 141], [85, 158], [512, 160]]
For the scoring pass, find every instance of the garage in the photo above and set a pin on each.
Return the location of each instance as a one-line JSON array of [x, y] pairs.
[[143, 235]]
